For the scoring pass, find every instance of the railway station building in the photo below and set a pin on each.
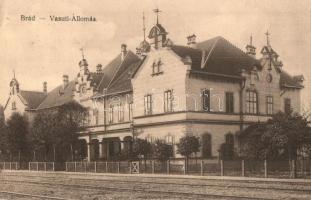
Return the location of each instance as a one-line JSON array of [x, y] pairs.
[[162, 90]]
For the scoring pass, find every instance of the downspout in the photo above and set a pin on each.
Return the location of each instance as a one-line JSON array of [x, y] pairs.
[[242, 86], [105, 113]]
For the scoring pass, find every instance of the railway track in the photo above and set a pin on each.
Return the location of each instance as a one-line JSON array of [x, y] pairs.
[[265, 187], [130, 189], [18, 194]]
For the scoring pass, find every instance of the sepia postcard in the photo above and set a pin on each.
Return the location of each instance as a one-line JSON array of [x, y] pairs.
[[155, 99]]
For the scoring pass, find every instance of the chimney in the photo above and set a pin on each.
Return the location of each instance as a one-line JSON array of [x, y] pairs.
[[45, 87], [123, 51], [99, 68], [191, 41], [65, 81]]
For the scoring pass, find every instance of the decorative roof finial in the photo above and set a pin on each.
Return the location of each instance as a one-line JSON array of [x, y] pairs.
[[157, 13], [82, 53], [251, 40], [144, 27], [268, 39]]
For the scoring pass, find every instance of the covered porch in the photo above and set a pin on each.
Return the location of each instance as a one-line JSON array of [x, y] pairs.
[[106, 146]]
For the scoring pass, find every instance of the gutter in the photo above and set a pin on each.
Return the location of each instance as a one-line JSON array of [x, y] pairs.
[[216, 74]]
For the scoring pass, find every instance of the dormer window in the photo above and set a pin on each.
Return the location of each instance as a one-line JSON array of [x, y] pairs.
[[156, 68]]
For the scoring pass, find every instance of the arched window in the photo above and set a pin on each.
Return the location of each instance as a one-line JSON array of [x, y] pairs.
[[206, 145], [251, 102], [229, 139], [227, 148]]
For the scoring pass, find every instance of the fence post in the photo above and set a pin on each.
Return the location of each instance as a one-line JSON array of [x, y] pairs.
[[37, 166], [53, 166], [202, 168], [95, 168], [302, 167], [168, 166], [243, 168], [85, 163], [45, 166], [266, 168], [75, 166], [185, 166], [10, 165], [29, 166], [221, 167], [106, 167], [152, 166], [118, 167]]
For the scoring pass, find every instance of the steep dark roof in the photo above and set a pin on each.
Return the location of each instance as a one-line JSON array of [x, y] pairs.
[[58, 96], [115, 70], [129, 59], [220, 57], [108, 72], [123, 82], [287, 80], [224, 58], [32, 98], [96, 78]]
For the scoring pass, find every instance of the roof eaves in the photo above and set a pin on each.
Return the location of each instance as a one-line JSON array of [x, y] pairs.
[[110, 94], [7, 102], [216, 74], [292, 86]]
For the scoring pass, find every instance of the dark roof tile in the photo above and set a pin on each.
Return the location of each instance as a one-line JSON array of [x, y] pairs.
[[32, 98], [220, 56], [287, 80], [58, 96]]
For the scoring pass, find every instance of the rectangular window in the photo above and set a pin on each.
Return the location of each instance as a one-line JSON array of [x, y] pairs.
[[156, 68], [168, 101], [95, 114], [13, 105], [169, 139], [110, 119], [120, 113], [269, 105], [206, 100], [86, 119], [149, 139], [251, 102], [287, 105], [148, 104], [130, 111], [229, 102]]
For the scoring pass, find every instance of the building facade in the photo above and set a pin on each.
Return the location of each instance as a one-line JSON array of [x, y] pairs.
[[164, 91]]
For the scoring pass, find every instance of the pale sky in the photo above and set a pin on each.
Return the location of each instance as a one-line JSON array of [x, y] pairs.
[[44, 50]]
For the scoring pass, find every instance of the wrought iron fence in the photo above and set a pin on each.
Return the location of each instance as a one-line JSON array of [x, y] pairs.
[[203, 167]]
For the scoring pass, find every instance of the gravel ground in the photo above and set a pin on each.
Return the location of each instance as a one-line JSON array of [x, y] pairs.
[[81, 186]]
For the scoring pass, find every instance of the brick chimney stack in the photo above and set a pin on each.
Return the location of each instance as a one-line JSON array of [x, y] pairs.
[[45, 87], [123, 51], [99, 68], [65, 80], [191, 41]]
